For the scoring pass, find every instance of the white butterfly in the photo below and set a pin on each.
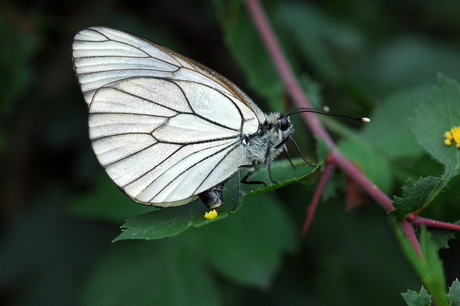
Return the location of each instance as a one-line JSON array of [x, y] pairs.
[[167, 129]]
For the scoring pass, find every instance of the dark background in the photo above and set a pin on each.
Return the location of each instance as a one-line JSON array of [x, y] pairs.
[[51, 253]]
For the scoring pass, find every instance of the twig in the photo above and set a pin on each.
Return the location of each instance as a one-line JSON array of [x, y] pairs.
[[353, 171], [317, 197], [284, 69], [408, 230], [420, 221], [295, 91]]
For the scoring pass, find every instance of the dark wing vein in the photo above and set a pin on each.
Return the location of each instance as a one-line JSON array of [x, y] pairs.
[[163, 161], [120, 134], [234, 145], [217, 164]]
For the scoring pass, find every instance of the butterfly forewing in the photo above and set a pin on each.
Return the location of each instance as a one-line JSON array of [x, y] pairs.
[[104, 55], [165, 128]]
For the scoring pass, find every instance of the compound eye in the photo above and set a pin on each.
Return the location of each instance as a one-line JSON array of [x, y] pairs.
[[284, 124]]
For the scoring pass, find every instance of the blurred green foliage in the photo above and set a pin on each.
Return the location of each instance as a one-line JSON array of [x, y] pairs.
[[378, 59]]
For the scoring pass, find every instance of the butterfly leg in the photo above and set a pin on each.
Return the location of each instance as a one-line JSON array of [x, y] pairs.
[[300, 153], [269, 159], [282, 143], [244, 180], [269, 169], [288, 156]]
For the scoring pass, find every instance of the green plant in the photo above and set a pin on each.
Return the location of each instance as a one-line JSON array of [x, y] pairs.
[[373, 59]]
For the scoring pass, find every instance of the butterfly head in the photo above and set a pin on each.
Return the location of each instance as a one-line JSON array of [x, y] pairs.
[[277, 127]]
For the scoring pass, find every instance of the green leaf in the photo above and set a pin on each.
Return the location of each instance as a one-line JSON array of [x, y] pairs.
[[415, 196], [107, 203], [319, 36], [441, 238], [312, 89], [429, 267], [174, 220], [165, 272], [322, 150], [282, 172], [246, 46], [454, 293], [440, 113], [395, 140], [404, 61], [247, 248], [165, 222], [432, 269], [413, 298], [408, 250], [433, 118], [370, 162]]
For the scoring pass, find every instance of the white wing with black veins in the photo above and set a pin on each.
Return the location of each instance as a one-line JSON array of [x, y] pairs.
[[164, 127]]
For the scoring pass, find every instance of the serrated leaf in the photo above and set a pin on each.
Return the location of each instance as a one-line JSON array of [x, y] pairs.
[[415, 196], [440, 113], [413, 298], [174, 220], [429, 268], [440, 238], [454, 293]]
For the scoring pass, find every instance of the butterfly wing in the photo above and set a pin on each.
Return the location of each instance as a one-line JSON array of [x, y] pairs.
[[164, 129], [103, 55]]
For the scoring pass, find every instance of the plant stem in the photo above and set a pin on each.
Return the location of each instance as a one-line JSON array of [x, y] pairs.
[[420, 221], [284, 69], [317, 197], [295, 91], [408, 230]]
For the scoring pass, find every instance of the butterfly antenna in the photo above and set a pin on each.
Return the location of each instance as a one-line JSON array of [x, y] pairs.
[[324, 111]]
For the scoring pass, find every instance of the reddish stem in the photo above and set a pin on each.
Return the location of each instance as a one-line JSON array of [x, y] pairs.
[[408, 230], [420, 221], [353, 171], [289, 79], [295, 91], [316, 197]]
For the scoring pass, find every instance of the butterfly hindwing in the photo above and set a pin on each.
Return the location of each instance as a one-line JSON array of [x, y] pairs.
[[164, 148]]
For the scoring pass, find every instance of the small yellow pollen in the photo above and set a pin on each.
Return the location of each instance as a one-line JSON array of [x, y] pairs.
[[453, 134], [211, 214]]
